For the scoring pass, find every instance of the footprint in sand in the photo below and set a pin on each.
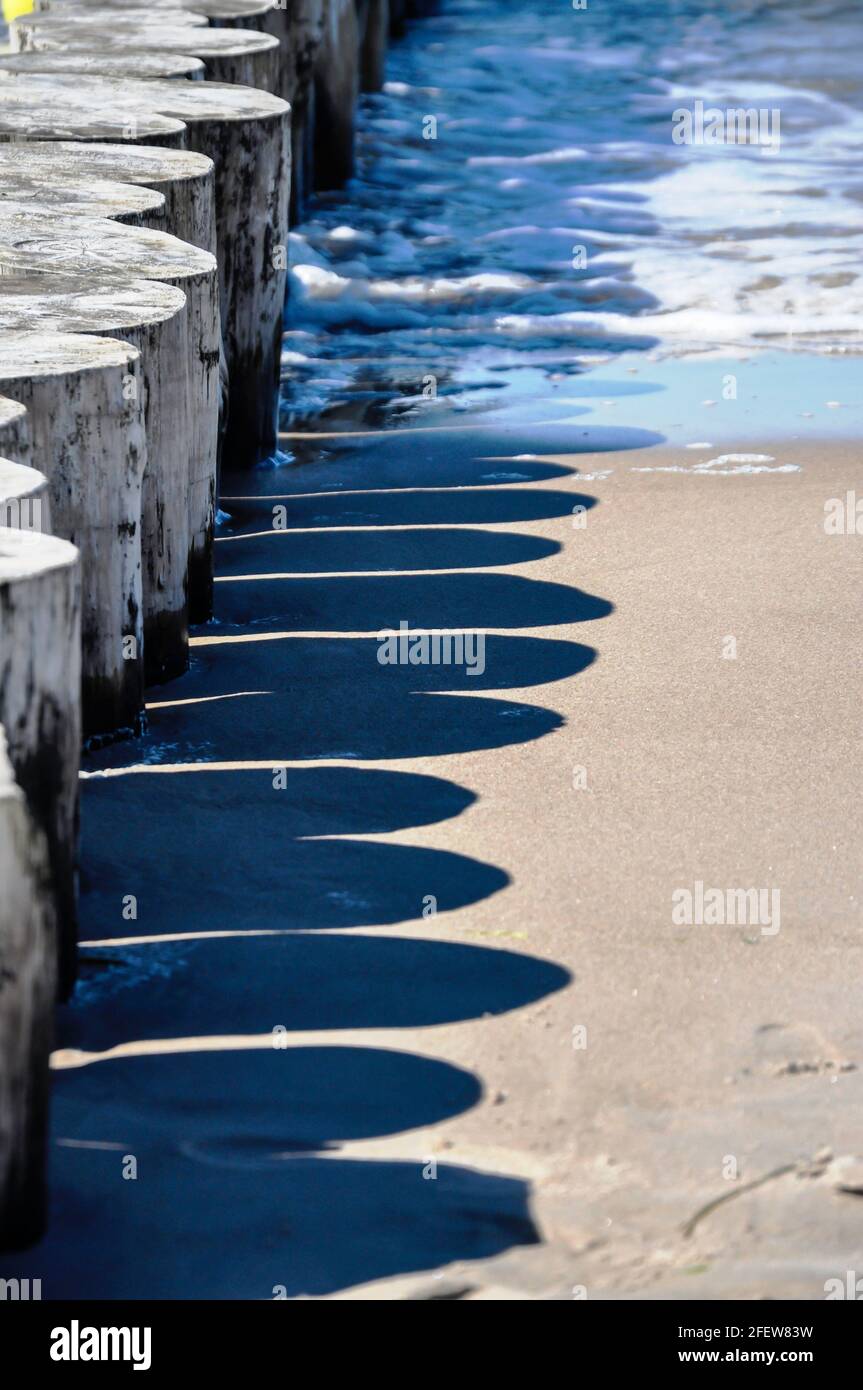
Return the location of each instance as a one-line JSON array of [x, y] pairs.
[[794, 1049]]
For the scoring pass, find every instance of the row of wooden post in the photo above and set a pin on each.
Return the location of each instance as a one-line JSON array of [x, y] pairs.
[[152, 154]]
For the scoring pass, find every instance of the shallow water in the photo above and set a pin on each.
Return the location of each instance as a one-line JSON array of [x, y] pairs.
[[554, 223]]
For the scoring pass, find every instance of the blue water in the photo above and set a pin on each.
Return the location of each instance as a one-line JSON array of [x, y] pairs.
[[553, 224]]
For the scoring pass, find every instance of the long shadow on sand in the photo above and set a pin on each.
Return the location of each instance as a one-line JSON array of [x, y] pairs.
[[216, 1227], [362, 603], [461, 456], [237, 848], [422, 507], [358, 551], [294, 981], [265, 698]]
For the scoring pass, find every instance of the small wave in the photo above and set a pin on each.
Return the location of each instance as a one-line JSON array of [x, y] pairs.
[[553, 214]]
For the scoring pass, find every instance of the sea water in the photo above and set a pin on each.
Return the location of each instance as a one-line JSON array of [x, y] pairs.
[[525, 235]]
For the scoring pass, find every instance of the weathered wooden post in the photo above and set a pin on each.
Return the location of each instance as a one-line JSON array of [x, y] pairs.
[[14, 431], [169, 510], [337, 85], [181, 398], [182, 177], [228, 55], [229, 12], [152, 317], [30, 112], [185, 180], [84, 397], [297, 24], [28, 973], [247, 134], [25, 503], [95, 13], [40, 707], [299, 27], [136, 64], [122, 202], [374, 31]]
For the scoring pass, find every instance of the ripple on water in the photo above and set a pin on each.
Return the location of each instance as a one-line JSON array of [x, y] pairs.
[[553, 214]]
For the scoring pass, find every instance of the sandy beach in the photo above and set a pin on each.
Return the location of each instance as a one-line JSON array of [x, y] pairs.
[[532, 975], [584, 1072]]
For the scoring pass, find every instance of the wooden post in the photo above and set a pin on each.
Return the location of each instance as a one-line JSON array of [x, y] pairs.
[[229, 55], [182, 177], [247, 134], [84, 397], [238, 12], [181, 403], [98, 13], [122, 202], [28, 973], [14, 431], [299, 27], [183, 383], [374, 20], [30, 112], [152, 317], [185, 180], [40, 707], [25, 503], [337, 83], [121, 64], [297, 24]]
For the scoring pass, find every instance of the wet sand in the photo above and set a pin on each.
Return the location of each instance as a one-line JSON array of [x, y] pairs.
[[299, 1160]]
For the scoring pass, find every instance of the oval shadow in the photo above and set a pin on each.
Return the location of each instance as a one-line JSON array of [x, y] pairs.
[[301, 982], [281, 1099]]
